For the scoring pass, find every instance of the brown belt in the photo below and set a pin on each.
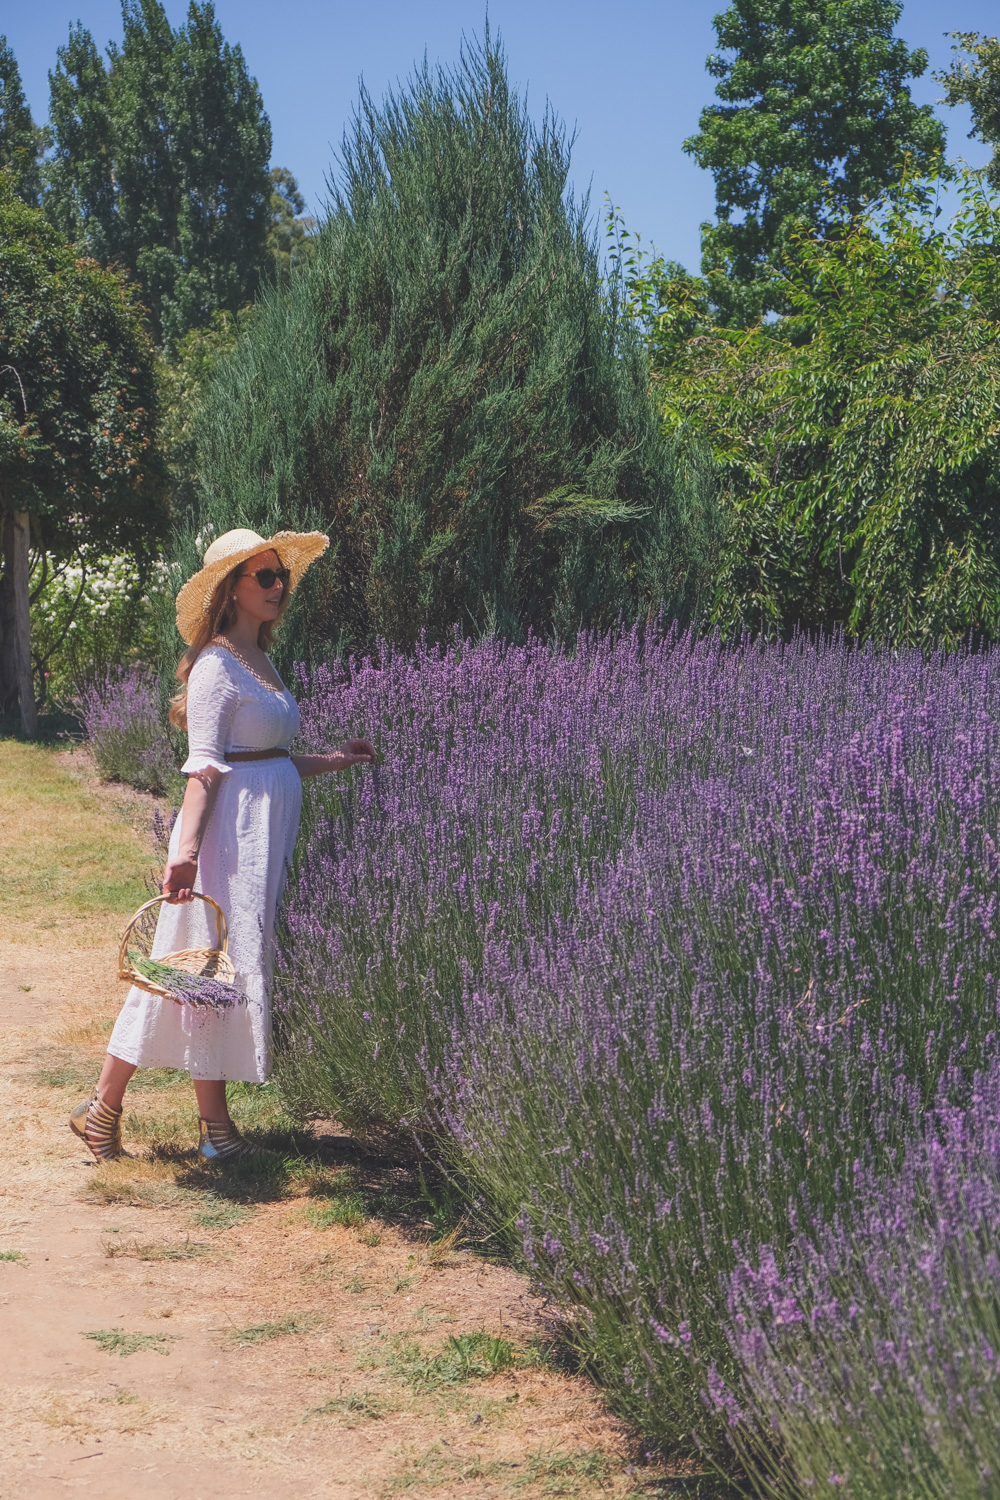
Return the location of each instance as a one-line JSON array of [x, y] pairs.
[[258, 754]]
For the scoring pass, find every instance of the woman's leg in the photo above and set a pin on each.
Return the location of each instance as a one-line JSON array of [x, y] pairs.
[[98, 1120], [114, 1080], [211, 1097], [218, 1137]]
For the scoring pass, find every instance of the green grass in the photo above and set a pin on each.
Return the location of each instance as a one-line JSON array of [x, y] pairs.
[[222, 1216], [16, 1256], [349, 1212], [75, 1069], [543, 1471], [559, 1472], [467, 1356], [80, 1077], [59, 845], [262, 1333], [117, 1341]]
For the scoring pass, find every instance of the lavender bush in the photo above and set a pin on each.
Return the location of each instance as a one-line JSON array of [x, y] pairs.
[[122, 719], [666, 948], [874, 1352]]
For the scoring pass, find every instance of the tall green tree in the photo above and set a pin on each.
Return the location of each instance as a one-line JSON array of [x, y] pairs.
[[814, 117], [81, 191], [78, 456], [974, 79], [450, 391], [20, 139], [160, 161], [857, 441], [291, 236]]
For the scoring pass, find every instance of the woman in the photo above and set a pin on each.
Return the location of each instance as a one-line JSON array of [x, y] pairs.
[[233, 839]]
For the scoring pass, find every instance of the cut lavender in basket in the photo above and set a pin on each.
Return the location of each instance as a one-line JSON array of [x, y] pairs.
[[189, 989], [674, 954]]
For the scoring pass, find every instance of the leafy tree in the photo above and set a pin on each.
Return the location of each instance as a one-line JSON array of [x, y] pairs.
[[857, 441], [814, 118], [449, 391], [290, 238], [975, 80], [160, 162], [78, 460], [20, 139]]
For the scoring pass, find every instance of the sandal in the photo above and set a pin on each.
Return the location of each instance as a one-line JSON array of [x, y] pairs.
[[219, 1139], [100, 1127]]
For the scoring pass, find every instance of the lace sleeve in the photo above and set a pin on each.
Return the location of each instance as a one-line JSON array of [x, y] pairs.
[[212, 699]]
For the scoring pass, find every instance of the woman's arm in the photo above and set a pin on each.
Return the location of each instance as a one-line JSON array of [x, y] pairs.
[[196, 809], [352, 753]]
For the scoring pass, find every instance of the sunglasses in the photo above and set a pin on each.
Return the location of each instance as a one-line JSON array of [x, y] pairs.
[[268, 577]]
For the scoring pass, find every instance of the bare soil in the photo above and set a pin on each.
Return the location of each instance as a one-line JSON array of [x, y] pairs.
[[299, 1328]]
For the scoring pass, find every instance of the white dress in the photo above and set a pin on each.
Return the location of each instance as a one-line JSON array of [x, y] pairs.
[[245, 853]]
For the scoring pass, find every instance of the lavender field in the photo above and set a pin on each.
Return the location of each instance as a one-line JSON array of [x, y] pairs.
[[684, 960]]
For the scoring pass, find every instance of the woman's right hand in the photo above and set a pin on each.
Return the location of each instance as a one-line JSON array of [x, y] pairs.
[[358, 752], [178, 879]]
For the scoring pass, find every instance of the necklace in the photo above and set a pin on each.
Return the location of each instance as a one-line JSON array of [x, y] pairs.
[[220, 640]]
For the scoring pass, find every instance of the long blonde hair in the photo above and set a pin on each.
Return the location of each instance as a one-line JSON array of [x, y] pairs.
[[219, 616]]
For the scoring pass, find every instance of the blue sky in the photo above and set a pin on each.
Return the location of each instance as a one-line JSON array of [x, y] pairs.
[[630, 76]]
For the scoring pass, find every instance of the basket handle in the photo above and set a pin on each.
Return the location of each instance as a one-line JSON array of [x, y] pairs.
[[221, 930]]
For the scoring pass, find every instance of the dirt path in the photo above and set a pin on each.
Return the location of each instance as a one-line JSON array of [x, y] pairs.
[[303, 1328]]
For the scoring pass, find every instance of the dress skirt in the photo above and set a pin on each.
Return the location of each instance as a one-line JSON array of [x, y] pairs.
[[246, 852]]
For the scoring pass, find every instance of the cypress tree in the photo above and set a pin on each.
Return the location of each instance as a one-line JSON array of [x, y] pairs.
[[450, 390]]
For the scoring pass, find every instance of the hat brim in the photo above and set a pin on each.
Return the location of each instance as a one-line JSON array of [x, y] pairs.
[[296, 549]]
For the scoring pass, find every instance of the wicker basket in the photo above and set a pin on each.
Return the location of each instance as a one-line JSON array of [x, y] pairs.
[[202, 963]]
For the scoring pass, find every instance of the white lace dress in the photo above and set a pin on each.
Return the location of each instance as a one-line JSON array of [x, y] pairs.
[[245, 854]]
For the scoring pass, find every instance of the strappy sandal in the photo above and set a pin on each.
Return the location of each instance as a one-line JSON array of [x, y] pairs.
[[100, 1127], [219, 1140]]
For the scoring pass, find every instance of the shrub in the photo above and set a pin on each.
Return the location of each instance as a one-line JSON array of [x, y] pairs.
[[858, 451], [121, 715], [656, 945], [450, 389], [88, 617]]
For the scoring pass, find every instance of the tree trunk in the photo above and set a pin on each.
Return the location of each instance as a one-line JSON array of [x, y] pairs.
[[8, 676], [16, 537]]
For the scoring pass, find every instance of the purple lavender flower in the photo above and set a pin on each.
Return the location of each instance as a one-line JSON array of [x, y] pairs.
[[122, 718], [691, 1019]]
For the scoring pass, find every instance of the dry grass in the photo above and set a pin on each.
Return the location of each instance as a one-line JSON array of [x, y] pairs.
[[440, 1250], [186, 1249], [80, 1414], [140, 1182]]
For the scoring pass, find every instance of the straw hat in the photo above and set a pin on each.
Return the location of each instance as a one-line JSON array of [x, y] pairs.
[[296, 549]]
